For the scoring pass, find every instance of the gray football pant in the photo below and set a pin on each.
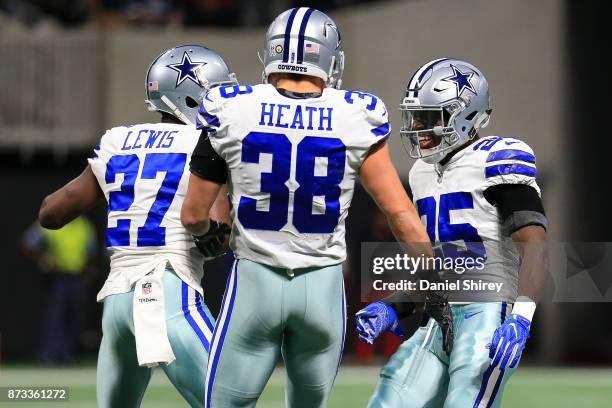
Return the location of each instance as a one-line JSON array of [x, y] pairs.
[[267, 313], [121, 382]]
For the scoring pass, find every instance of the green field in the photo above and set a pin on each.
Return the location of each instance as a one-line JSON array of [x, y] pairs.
[[530, 387]]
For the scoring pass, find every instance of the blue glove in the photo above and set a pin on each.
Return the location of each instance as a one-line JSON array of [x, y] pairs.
[[376, 318], [509, 341]]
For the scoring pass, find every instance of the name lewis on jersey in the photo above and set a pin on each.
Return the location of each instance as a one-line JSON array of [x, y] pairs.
[[148, 139], [296, 116]]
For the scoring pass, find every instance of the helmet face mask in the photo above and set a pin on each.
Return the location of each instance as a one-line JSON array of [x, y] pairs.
[[180, 77], [304, 41], [207, 85], [428, 132], [446, 102]]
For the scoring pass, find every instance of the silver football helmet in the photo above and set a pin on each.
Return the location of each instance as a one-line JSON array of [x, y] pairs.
[[446, 102], [179, 77], [304, 41]]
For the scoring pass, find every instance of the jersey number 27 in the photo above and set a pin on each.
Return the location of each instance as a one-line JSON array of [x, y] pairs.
[[151, 233]]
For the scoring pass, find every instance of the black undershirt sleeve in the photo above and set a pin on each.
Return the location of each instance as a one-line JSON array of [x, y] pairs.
[[519, 205], [206, 163]]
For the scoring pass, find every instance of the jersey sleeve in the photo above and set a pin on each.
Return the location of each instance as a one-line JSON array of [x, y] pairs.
[[377, 118], [211, 119], [101, 154], [510, 161]]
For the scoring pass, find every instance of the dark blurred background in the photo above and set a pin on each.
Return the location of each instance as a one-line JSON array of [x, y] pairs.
[[69, 69]]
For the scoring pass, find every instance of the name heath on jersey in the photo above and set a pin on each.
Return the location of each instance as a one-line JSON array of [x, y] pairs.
[[296, 116]]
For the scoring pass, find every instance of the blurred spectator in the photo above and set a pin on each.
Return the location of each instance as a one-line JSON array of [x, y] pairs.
[[212, 12], [31, 12], [142, 12], [64, 257]]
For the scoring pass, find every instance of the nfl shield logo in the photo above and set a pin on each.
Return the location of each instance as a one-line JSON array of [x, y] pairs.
[[146, 288]]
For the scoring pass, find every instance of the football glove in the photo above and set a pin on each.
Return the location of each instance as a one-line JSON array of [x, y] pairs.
[[213, 244], [376, 318], [509, 341], [437, 307]]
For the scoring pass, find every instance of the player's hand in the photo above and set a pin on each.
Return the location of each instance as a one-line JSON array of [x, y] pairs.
[[509, 341], [436, 306], [375, 319], [214, 243]]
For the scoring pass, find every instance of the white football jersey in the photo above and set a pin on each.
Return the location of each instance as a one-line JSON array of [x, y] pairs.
[[143, 172], [292, 165], [458, 218]]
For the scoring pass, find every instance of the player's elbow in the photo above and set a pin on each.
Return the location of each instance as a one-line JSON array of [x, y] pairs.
[[404, 220], [47, 216], [407, 226], [193, 220]]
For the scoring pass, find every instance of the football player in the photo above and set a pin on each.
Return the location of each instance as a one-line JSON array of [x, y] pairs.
[[291, 150], [478, 197], [154, 310]]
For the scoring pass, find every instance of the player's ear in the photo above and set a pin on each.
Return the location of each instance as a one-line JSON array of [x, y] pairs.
[[273, 79]]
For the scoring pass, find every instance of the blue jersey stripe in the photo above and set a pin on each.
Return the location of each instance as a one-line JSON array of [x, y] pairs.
[[221, 331], [200, 309], [189, 318], [504, 169], [382, 130], [300, 49], [288, 34], [210, 119], [483, 386], [343, 327], [511, 154], [495, 389]]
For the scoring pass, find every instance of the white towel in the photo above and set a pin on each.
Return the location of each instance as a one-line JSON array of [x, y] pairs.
[[152, 345]]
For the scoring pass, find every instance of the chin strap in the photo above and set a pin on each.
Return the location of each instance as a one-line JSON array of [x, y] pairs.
[[175, 110]]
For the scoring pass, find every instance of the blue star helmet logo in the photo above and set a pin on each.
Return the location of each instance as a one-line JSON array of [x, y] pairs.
[[186, 69], [461, 80]]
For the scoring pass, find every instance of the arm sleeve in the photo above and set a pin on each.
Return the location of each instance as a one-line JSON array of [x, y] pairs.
[[519, 205], [101, 155], [211, 119], [378, 121], [206, 163], [511, 161]]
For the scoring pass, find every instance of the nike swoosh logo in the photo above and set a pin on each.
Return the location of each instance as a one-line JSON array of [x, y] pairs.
[[468, 315], [510, 143]]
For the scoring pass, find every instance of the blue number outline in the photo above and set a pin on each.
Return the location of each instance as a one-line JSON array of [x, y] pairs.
[[308, 150], [150, 233], [448, 232], [122, 199], [348, 97], [274, 182], [224, 91]]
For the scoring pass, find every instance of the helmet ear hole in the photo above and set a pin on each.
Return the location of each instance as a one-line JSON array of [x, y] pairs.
[[483, 120], [471, 115], [190, 102]]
